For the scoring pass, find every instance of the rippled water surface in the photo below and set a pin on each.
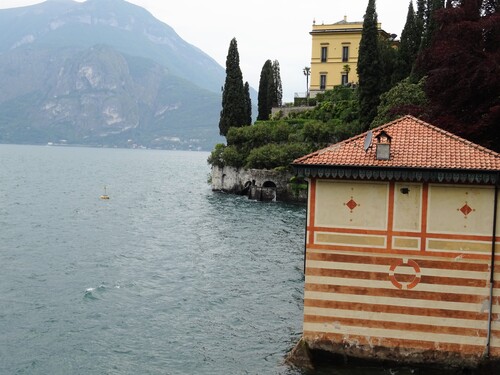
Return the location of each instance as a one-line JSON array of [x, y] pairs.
[[166, 277]]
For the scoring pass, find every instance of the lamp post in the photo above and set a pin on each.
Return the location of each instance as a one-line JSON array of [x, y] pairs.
[[307, 73]]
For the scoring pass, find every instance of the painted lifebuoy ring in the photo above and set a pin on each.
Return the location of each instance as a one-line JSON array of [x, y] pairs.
[[416, 279]]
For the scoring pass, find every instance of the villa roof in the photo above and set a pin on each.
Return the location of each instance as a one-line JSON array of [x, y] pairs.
[[414, 144], [345, 22]]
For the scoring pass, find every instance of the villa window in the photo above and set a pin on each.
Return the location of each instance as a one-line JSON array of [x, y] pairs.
[[345, 79], [345, 54], [324, 54], [322, 82]]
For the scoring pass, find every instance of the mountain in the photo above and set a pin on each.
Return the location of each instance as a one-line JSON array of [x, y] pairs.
[[104, 73]]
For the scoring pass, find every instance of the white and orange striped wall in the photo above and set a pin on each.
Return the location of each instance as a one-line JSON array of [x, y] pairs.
[[402, 271]]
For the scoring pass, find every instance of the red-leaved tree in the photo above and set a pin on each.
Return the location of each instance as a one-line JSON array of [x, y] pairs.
[[462, 65]]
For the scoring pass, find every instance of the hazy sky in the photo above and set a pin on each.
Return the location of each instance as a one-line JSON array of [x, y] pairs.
[[264, 29]]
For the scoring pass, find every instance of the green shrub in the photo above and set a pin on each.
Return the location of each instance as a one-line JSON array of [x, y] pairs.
[[216, 159], [234, 157], [224, 155], [276, 143], [297, 184], [405, 93], [275, 155]]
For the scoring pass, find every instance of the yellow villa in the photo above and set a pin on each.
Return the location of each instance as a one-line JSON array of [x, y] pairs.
[[334, 55], [402, 247]]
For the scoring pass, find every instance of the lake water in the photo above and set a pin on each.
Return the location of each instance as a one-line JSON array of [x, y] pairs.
[[165, 277]]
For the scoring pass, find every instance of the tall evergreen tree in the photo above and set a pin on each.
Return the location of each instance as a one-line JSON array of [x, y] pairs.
[[408, 47], [369, 67], [248, 105], [234, 110], [271, 90], [420, 18], [430, 24], [388, 63], [278, 97], [265, 95]]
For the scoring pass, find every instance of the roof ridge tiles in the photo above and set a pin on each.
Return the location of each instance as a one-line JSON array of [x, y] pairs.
[[453, 136], [421, 145]]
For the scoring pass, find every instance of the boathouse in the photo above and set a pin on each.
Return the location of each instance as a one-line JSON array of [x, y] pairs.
[[400, 263]]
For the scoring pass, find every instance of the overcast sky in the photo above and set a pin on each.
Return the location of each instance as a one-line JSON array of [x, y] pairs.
[[264, 29]]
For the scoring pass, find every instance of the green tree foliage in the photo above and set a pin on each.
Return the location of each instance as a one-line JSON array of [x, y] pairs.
[[234, 102], [276, 143], [430, 24], [248, 105], [420, 18], [388, 63], [404, 98], [340, 105], [408, 46], [278, 86], [463, 72], [369, 67], [271, 155], [216, 157], [270, 89], [266, 91], [267, 144]]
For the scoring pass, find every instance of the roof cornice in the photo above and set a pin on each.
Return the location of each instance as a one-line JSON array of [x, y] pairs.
[[458, 176]]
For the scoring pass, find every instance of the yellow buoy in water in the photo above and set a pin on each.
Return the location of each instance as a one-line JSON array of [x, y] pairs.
[[104, 196]]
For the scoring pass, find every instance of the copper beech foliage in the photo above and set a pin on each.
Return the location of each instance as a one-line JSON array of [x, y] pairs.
[[462, 66]]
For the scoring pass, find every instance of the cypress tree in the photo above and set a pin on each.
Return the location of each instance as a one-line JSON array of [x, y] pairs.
[[369, 68], [420, 19], [248, 105], [408, 47], [430, 24], [234, 106], [265, 96], [388, 63], [278, 97], [271, 89]]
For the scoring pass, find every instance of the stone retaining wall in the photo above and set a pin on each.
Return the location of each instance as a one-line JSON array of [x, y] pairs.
[[259, 184]]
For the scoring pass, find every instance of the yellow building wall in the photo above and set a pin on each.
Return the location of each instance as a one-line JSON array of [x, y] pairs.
[[334, 37], [401, 265]]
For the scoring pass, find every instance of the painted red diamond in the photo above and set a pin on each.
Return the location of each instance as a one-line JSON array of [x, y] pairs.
[[351, 204], [466, 209]]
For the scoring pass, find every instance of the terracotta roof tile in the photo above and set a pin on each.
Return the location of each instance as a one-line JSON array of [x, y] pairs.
[[414, 144]]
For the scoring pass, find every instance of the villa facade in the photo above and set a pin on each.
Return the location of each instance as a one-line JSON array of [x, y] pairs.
[[334, 55]]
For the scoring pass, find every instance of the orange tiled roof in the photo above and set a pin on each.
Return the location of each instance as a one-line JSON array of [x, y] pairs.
[[414, 144]]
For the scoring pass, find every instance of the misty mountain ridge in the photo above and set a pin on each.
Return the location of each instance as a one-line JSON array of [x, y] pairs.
[[104, 73]]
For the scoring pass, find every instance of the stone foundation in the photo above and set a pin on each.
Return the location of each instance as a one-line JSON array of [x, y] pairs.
[[308, 354], [257, 184]]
